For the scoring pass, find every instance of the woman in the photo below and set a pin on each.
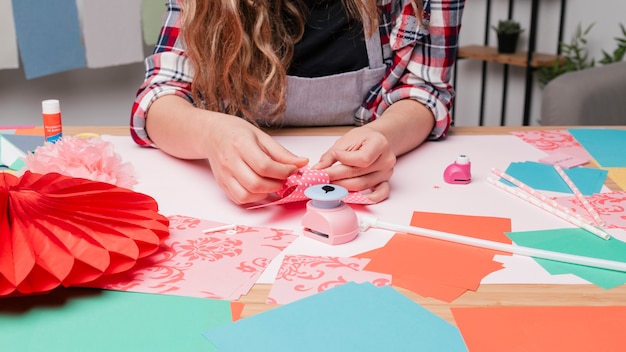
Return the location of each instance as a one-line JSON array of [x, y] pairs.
[[222, 69]]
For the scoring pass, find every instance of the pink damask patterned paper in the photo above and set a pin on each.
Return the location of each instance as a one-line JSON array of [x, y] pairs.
[[301, 276], [214, 265], [293, 189], [554, 141], [610, 206]]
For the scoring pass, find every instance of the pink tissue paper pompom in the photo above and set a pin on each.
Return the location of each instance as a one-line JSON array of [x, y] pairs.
[[89, 158]]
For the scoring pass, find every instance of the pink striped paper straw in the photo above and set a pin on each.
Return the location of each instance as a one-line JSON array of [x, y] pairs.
[[530, 195], [581, 198], [540, 196]]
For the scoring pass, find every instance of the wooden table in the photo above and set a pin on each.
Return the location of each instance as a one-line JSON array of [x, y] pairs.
[[486, 295]]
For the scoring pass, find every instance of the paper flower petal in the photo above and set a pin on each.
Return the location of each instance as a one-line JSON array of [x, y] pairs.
[[90, 158], [61, 230]]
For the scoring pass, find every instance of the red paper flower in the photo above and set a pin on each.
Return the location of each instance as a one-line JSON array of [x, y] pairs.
[[60, 230]]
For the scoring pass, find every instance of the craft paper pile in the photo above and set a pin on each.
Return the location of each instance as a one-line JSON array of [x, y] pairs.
[[436, 268], [100, 320], [59, 230], [301, 276], [213, 265], [350, 317], [602, 145]]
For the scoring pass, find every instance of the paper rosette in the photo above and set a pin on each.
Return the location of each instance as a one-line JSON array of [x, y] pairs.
[[60, 230]]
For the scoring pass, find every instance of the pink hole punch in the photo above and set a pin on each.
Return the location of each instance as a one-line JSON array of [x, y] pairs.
[[328, 219], [458, 172]]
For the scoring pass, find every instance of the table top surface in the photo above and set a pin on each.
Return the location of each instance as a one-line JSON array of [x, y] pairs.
[[487, 294]]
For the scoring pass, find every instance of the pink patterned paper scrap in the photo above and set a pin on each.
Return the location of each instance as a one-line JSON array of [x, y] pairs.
[[610, 206], [293, 189], [213, 265], [554, 141], [301, 276]]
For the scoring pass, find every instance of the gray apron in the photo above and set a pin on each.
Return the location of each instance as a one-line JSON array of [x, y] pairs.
[[333, 100]]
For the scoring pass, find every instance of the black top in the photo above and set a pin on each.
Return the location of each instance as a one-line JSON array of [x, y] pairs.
[[331, 43]]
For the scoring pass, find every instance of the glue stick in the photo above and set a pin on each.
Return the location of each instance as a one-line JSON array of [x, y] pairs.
[[51, 110]]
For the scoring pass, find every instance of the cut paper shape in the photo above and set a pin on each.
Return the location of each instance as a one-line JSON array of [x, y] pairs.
[[607, 146], [300, 276], [8, 43], [295, 185], [564, 160], [574, 329], [576, 241], [610, 206], [58, 230], [554, 142], [95, 320], [151, 19], [544, 177], [350, 317], [213, 265], [112, 43], [436, 268], [49, 37]]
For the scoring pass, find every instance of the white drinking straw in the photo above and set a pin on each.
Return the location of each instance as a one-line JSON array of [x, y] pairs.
[[581, 198], [550, 209], [366, 222]]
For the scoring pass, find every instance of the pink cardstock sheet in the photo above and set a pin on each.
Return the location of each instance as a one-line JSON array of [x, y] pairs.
[[214, 265], [295, 185], [301, 276], [559, 142], [610, 206]]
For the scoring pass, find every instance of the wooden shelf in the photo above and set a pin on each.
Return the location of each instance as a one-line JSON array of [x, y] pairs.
[[490, 54]]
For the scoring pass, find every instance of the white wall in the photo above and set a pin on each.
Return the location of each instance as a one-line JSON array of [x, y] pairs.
[[105, 96]]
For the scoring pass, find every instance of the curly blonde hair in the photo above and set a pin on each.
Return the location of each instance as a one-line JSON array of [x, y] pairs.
[[241, 49]]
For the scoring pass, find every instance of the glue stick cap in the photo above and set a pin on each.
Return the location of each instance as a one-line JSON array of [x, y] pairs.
[[50, 106]]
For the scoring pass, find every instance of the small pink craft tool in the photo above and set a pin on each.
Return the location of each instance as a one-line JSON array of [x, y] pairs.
[[458, 172], [328, 219]]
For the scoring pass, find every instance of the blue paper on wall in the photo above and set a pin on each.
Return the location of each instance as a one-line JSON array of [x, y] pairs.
[[48, 36]]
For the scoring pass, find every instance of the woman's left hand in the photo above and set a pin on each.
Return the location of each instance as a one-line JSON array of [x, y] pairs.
[[361, 160]]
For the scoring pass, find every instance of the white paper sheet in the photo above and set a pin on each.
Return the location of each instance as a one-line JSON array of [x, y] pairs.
[[188, 188]]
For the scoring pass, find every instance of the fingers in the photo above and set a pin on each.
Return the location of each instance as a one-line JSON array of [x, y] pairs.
[[379, 193]]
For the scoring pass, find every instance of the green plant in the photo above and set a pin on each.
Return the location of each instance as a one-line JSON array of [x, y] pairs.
[[619, 52], [508, 27], [575, 56]]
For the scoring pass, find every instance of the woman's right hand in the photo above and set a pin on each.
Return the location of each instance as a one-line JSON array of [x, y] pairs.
[[247, 163]]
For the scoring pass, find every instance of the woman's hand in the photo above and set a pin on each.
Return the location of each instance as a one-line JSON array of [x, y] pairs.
[[247, 163], [361, 160]]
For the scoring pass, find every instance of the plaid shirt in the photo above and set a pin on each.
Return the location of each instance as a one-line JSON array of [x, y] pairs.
[[419, 62]]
